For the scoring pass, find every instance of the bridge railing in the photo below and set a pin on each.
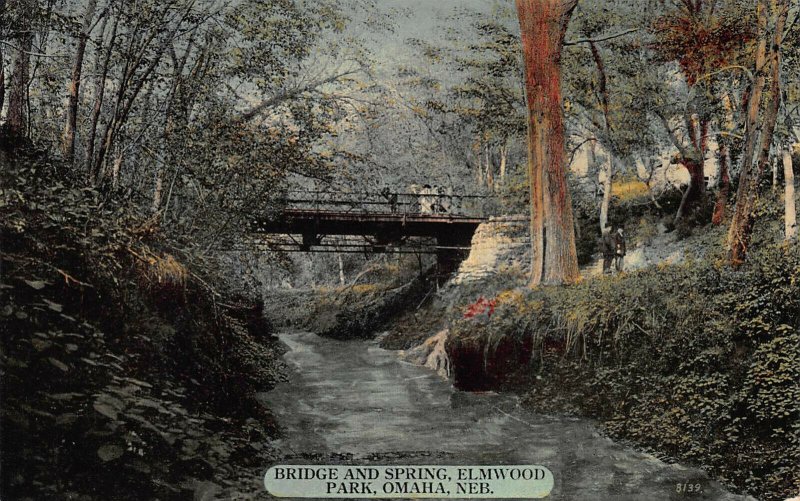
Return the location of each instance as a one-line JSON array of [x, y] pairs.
[[387, 202]]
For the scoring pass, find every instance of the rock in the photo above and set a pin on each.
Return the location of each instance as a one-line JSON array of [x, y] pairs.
[[58, 364], [502, 242]]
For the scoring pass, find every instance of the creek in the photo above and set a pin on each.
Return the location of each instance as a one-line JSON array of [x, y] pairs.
[[353, 402]]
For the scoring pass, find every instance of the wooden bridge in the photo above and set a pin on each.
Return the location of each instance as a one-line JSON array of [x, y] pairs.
[[431, 223]]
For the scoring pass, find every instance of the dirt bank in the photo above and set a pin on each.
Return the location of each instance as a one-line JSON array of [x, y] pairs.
[[356, 311], [125, 374], [696, 362]]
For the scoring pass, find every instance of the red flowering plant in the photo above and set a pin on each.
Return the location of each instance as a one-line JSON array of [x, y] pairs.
[[482, 308]]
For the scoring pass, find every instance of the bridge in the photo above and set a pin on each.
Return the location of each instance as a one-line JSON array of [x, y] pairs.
[[427, 223]]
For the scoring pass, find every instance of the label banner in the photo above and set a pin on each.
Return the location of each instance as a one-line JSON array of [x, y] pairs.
[[415, 481]]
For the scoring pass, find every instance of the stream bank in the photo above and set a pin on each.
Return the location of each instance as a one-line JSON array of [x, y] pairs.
[[688, 358], [352, 402], [696, 362], [125, 374]]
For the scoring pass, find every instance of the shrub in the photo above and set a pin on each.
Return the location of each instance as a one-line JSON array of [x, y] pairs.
[[698, 360]]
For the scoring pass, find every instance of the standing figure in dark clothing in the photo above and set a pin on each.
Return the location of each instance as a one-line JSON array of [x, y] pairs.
[[619, 248], [607, 248], [390, 197], [441, 203]]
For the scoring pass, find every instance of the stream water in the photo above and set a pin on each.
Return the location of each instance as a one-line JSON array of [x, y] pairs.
[[355, 402]]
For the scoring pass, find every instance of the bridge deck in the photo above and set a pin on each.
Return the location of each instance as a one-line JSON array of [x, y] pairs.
[[388, 225]]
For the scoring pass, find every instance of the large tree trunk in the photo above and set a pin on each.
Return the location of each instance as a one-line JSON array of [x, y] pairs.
[[724, 186], [543, 24], [74, 87], [751, 171], [790, 218], [695, 192], [18, 96]]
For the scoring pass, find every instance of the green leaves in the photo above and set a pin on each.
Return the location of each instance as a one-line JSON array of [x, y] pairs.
[[110, 452], [108, 406], [36, 284]]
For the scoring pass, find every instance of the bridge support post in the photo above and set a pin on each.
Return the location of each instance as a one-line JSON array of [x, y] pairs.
[[449, 254]]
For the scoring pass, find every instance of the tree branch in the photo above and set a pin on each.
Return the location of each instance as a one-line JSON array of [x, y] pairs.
[[600, 39], [744, 69], [249, 115], [671, 133]]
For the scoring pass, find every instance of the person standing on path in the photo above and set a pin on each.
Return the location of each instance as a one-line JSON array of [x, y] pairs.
[[619, 248], [606, 245]]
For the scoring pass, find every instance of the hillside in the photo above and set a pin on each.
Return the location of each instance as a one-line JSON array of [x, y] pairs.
[[123, 369]]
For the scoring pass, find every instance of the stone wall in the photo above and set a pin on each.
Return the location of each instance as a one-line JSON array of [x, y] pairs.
[[500, 245]]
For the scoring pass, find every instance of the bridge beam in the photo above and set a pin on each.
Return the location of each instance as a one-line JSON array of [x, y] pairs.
[[452, 233]]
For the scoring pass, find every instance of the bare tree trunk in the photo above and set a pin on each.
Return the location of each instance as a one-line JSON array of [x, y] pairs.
[[790, 218], [724, 186], [503, 160], [479, 162], [18, 97], [775, 174], [158, 191], [341, 270], [74, 87], [751, 172], [607, 187], [609, 167], [543, 24], [489, 169], [2, 82], [115, 169], [696, 189], [125, 100], [99, 94]]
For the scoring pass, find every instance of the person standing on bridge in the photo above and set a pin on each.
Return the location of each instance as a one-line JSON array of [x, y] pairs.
[[390, 197], [442, 203], [426, 200]]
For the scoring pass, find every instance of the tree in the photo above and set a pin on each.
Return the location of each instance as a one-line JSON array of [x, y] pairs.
[[771, 19], [21, 14], [491, 98], [790, 212], [704, 38], [73, 89], [543, 25]]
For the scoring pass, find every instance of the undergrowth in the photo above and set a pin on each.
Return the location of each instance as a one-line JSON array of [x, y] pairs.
[[698, 361], [125, 374]]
